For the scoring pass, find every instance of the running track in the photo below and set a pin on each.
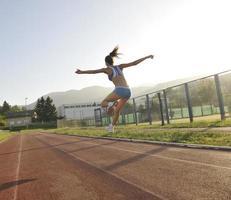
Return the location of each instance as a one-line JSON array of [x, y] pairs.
[[47, 166]]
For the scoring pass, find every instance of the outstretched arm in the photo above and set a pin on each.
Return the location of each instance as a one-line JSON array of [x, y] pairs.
[[136, 62], [102, 70]]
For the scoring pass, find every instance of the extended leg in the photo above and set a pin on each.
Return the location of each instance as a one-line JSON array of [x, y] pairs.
[[118, 108]]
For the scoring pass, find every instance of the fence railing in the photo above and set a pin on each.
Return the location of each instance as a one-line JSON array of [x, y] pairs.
[[199, 98]]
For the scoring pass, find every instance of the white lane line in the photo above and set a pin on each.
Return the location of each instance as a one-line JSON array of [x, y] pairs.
[[112, 174], [107, 172], [18, 169], [164, 157], [158, 156]]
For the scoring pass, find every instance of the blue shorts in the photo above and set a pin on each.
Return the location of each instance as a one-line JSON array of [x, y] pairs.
[[123, 92]]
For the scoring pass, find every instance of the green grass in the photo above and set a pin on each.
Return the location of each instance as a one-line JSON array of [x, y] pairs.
[[205, 122], [175, 132], [205, 137], [5, 135], [198, 122]]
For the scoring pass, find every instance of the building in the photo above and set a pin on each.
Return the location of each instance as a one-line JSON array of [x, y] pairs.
[[77, 111], [17, 119]]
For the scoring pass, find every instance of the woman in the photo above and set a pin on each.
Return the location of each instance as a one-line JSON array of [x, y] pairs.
[[122, 92]]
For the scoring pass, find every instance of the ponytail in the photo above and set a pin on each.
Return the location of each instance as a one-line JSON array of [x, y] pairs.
[[109, 59], [115, 53]]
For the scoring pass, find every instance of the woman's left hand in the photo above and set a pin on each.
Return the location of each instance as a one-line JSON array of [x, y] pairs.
[[151, 56]]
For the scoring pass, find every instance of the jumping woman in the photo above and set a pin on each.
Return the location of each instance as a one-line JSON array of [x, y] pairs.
[[122, 92]]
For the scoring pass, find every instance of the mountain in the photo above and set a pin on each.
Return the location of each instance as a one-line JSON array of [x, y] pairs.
[[162, 86], [85, 95], [98, 93]]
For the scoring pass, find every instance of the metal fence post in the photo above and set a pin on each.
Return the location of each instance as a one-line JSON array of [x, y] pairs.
[[108, 119], [219, 96], [134, 111], [161, 109], [170, 109], [211, 107], [166, 106], [148, 109], [95, 117], [181, 111], [188, 102], [202, 112], [101, 119], [123, 118]]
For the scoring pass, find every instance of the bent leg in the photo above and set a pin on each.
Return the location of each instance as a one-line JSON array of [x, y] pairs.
[[110, 98]]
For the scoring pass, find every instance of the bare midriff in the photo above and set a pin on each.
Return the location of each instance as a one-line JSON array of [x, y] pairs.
[[119, 81]]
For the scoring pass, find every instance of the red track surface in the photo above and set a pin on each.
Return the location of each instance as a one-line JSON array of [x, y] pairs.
[[48, 166]]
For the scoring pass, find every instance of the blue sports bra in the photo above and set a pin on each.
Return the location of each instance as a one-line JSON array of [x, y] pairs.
[[116, 71]]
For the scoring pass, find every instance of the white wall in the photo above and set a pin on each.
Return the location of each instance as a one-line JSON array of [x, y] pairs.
[[77, 111]]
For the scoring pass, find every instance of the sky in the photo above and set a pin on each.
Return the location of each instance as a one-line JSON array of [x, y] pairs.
[[43, 42]]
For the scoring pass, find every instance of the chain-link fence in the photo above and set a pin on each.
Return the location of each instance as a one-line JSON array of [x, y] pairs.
[[204, 97], [225, 82], [197, 99]]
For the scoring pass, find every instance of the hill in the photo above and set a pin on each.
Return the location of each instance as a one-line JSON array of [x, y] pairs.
[[98, 93]]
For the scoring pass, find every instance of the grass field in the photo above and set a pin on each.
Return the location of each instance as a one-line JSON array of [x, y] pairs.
[[199, 122], [145, 132], [205, 121], [5, 135], [181, 131]]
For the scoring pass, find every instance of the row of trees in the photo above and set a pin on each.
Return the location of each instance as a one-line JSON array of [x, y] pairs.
[[202, 92], [44, 111], [6, 107]]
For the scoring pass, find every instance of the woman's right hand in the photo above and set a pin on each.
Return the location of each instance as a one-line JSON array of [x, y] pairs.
[[78, 71]]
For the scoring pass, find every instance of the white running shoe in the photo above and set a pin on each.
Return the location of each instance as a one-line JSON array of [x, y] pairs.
[[110, 128]]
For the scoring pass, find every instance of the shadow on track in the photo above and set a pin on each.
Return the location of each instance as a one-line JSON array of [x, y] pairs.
[[91, 147], [8, 185], [135, 158]]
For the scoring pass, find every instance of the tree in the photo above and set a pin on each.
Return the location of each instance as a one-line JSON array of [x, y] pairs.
[[5, 108], [39, 109], [45, 110], [203, 92], [141, 109], [143, 114], [155, 109], [225, 83], [50, 110], [2, 120], [15, 109], [176, 96], [128, 108]]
